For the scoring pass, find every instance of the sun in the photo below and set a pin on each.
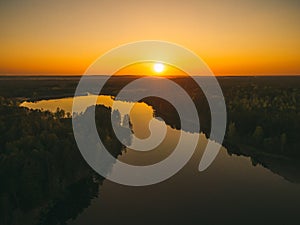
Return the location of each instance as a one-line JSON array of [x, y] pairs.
[[158, 67]]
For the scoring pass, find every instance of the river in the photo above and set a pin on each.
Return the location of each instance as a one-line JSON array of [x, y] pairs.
[[233, 190]]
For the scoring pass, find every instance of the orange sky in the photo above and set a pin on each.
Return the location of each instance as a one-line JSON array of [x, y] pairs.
[[147, 68], [232, 37]]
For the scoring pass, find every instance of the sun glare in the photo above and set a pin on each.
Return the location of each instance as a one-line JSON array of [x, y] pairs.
[[158, 67]]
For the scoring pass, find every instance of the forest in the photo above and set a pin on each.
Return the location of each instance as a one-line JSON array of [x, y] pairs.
[[41, 168]]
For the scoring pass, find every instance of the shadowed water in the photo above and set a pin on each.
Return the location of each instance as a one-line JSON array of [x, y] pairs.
[[233, 189]]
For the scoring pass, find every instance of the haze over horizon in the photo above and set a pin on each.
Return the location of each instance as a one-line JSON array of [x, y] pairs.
[[233, 38]]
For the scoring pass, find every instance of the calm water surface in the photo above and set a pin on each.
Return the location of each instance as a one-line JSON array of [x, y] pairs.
[[231, 191]]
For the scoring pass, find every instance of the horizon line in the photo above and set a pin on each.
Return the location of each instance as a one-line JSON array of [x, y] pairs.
[[79, 75]]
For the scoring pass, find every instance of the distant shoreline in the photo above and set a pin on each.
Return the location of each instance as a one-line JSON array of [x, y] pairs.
[[126, 76]]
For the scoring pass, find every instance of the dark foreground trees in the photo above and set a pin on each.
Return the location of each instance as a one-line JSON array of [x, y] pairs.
[[41, 169]]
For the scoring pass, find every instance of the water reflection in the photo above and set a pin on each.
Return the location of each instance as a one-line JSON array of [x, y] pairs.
[[140, 123], [232, 189], [140, 116]]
